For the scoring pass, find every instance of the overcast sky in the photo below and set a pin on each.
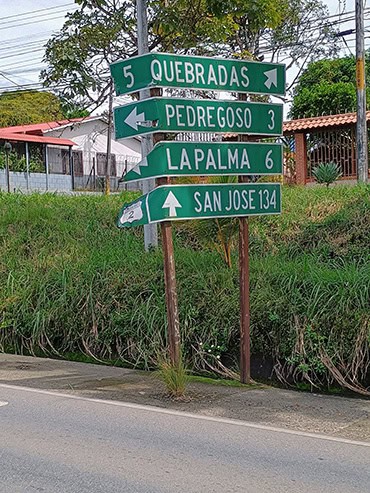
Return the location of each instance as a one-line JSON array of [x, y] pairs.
[[25, 28]]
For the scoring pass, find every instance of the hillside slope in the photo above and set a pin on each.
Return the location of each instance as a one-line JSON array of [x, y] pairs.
[[71, 282]]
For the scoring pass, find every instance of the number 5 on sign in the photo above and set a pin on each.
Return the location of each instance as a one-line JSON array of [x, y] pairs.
[[129, 78]]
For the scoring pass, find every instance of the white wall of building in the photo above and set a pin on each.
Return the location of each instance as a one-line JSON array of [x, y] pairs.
[[90, 137]]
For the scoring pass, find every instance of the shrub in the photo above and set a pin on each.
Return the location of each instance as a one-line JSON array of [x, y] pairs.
[[326, 173]]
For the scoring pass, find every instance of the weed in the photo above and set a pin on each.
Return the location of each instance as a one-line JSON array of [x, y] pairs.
[[174, 376]]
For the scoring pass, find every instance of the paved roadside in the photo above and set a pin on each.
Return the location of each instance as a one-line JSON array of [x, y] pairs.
[[336, 416]]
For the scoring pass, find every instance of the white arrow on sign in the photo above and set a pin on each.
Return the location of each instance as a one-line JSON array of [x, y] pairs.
[[271, 78], [142, 164], [134, 118], [171, 203]]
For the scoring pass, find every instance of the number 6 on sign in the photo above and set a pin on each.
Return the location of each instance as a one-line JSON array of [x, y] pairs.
[[269, 163]]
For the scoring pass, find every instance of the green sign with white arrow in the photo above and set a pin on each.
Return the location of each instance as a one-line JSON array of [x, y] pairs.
[[214, 74], [209, 159], [180, 202], [199, 115]]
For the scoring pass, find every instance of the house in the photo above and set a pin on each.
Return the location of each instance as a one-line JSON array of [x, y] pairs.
[[64, 155], [323, 139]]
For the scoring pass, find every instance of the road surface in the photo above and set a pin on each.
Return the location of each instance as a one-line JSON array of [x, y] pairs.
[[57, 443]]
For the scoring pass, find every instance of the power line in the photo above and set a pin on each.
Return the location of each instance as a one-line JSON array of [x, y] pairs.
[[32, 22], [21, 38], [21, 53], [39, 10]]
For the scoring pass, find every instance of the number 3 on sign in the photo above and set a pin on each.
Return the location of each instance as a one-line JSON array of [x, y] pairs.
[[128, 74], [267, 199], [271, 125]]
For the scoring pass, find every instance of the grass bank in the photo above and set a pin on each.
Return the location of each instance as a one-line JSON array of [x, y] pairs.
[[70, 282]]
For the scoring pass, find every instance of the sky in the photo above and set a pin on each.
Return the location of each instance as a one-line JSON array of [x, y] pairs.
[[26, 25]]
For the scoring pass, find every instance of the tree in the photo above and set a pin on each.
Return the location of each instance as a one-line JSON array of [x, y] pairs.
[[25, 107], [78, 57], [288, 31], [103, 31], [327, 87]]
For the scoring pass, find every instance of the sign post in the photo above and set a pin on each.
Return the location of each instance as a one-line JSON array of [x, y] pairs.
[[174, 340], [150, 231], [168, 202], [173, 321], [244, 301]]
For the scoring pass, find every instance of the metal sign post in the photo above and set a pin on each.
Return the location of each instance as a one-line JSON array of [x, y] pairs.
[[150, 230]]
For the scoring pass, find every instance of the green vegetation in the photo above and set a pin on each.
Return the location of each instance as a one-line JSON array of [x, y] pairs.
[[18, 163], [71, 282], [100, 32], [224, 383], [327, 87], [327, 173], [25, 107], [174, 376]]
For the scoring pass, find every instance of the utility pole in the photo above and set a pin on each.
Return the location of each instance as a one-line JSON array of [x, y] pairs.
[[150, 230], [361, 124], [109, 142], [8, 149]]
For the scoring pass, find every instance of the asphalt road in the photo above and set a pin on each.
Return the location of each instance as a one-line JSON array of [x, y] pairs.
[[68, 444]]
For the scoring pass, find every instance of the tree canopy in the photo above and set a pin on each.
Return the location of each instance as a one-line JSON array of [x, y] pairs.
[[79, 55], [103, 31], [288, 31], [327, 87], [25, 107]]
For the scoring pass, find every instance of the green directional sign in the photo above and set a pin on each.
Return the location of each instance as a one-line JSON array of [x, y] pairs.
[[209, 159], [184, 115], [215, 74], [180, 202]]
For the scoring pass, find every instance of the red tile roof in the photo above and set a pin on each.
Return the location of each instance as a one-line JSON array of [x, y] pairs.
[[39, 128], [321, 122], [19, 137]]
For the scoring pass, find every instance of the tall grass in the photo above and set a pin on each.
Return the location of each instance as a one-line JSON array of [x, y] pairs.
[[71, 282]]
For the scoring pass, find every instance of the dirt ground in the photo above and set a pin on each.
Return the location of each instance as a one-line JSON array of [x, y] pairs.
[[331, 415]]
